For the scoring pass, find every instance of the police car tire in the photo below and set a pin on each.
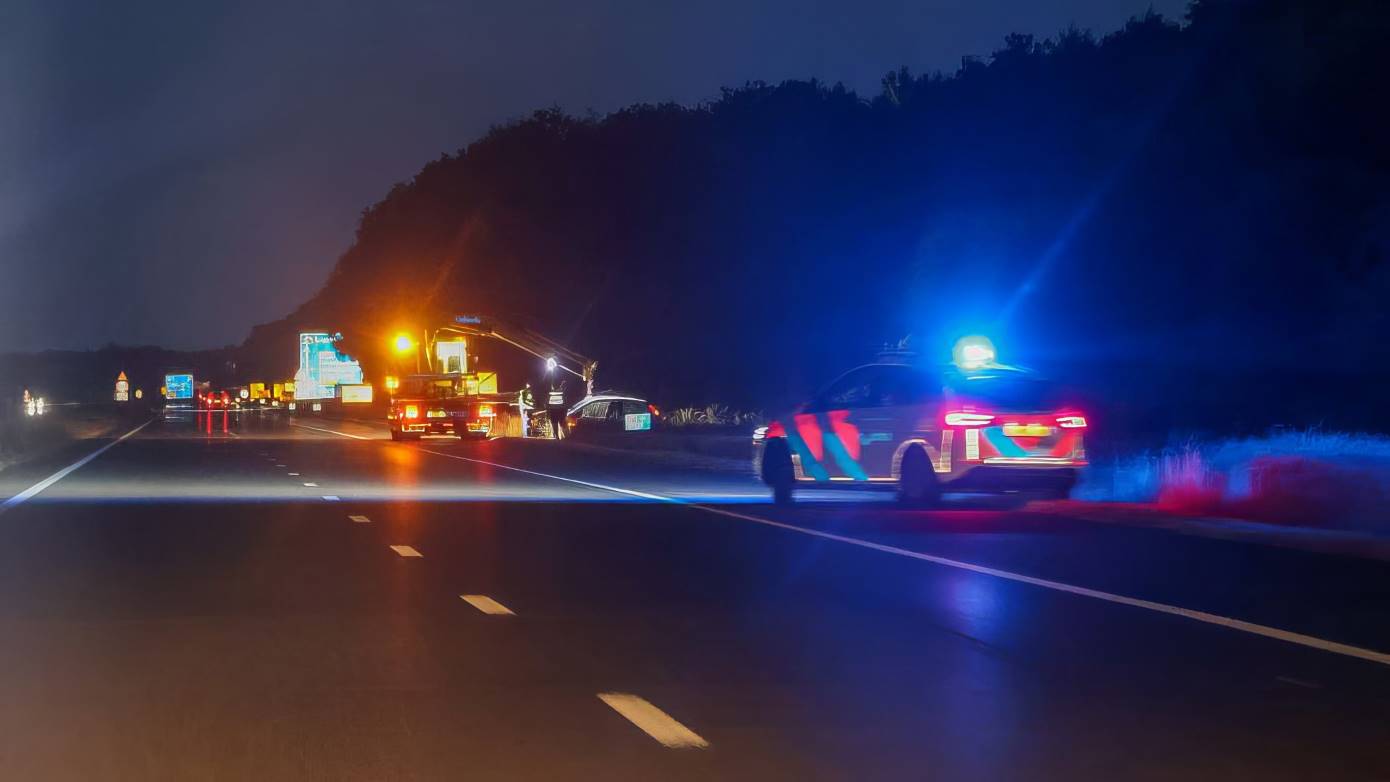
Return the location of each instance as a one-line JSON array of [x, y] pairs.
[[917, 483]]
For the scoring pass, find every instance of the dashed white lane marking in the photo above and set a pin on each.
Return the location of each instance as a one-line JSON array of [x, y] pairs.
[[331, 497], [330, 431], [66, 471], [293, 474], [360, 519], [487, 605], [406, 551], [1230, 623], [653, 721], [280, 466], [311, 484]]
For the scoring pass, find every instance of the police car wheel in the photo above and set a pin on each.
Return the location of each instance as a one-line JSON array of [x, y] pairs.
[[917, 484]]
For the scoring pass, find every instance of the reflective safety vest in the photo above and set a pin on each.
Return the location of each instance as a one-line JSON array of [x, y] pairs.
[[556, 399], [526, 399]]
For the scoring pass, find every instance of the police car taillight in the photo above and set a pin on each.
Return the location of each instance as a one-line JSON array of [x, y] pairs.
[[962, 418]]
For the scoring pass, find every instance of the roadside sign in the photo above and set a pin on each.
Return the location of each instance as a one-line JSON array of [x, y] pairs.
[[178, 386], [122, 388], [356, 393]]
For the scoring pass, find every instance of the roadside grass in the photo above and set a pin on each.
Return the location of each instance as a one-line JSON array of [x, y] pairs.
[[1306, 477], [24, 437], [712, 415]]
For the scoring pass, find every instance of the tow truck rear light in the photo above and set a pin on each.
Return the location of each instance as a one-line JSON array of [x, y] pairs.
[[412, 411], [962, 418], [652, 409], [1071, 421]]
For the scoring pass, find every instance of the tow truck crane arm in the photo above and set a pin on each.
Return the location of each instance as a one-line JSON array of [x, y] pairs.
[[525, 339]]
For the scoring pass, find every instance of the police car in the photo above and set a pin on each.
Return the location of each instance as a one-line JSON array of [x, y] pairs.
[[973, 426]]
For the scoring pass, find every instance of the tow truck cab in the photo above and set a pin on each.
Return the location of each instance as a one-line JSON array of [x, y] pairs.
[[442, 406], [926, 431]]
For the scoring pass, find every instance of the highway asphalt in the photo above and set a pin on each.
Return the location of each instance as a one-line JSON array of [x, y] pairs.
[[250, 605]]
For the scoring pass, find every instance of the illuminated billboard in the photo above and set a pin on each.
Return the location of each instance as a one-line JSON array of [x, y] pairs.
[[178, 386], [322, 367]]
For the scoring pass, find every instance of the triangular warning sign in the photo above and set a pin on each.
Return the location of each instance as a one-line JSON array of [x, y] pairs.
[[121, 377]]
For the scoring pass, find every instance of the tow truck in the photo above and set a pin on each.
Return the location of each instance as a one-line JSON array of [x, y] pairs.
[[457, 400], [973, 426], [446, 405]]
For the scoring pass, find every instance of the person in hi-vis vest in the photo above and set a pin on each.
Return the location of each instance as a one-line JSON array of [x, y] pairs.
[[555, 410]]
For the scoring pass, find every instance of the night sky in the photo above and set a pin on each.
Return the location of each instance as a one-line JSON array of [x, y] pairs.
[[173, 173]]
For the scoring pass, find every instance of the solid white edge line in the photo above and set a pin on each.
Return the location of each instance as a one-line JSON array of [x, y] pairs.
[[653, 721], [330, 431], [1162, 608], [66, 471], [1313, 642], [628, 492], [487, 605]]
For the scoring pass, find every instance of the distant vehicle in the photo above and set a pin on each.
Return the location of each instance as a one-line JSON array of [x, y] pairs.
[[982, 427], [609, 412], [440, 406]]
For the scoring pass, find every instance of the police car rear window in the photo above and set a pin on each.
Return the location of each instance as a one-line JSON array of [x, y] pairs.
[[1013, 391]]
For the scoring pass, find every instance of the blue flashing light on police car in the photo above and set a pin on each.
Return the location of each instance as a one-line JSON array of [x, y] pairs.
[[973, 353]]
